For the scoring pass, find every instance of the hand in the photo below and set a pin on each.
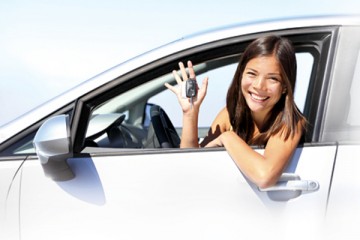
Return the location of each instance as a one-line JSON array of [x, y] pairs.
[[185, 103], [215, 143]]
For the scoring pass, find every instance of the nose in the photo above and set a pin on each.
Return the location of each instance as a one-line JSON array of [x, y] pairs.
[[259, 83]]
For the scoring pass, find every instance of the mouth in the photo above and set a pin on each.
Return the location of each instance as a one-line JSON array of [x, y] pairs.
[[258, 98]]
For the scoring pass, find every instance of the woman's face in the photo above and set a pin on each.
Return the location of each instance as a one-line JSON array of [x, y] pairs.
[[262, 85]]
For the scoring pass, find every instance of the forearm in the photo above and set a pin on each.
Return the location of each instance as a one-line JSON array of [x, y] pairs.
[[240, 151], [189, 136], [190, 107], [253, 164]]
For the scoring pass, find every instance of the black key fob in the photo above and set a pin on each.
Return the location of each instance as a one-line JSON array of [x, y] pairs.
[[191, 88]]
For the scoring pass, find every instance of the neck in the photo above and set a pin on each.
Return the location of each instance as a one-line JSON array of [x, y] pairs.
[[260, 120]]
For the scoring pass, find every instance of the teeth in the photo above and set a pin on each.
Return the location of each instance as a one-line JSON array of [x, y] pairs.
[[256, 97]]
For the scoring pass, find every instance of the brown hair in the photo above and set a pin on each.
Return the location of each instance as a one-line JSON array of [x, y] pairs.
[[285, 116]]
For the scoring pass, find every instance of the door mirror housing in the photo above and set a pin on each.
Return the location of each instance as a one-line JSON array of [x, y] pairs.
[[52, 143]]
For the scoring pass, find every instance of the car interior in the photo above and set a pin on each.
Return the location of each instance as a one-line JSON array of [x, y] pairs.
[[130, 121]]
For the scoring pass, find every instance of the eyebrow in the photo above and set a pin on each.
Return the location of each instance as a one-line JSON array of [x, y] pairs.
[[274, 74], [250, 69], [269, 74]]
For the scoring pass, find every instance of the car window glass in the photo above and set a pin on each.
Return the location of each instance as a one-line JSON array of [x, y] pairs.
[[353, 118], [305, 63], [342, 119], [27, 148]]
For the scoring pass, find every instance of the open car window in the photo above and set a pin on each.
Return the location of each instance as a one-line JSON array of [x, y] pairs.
[[124, 120]]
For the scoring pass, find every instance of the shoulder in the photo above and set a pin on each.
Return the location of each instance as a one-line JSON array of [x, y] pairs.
[[223, 120], [220, 124], [224, 113], [288, 137]]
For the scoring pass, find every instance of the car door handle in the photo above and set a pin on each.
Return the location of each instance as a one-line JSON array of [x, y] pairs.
[[293, 185], [290, 186]]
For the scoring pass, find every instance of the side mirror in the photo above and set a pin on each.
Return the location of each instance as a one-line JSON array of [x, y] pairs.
[[53, 147]]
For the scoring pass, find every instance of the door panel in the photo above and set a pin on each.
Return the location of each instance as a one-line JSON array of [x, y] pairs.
[[343, 214], [9, 198], [197, 194]]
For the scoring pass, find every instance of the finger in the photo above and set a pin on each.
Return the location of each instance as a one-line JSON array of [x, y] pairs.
[[204, 84], [183, 71], [191, 70], [177, 77], [171, 88]]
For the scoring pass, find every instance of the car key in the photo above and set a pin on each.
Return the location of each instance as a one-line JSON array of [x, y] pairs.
[[191, 90]]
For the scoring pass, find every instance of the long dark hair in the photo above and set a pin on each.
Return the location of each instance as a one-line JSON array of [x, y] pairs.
[[285, 116]]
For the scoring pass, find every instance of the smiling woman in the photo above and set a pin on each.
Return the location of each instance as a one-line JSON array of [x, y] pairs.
[[267, 69], [262, 85], [260, 110]]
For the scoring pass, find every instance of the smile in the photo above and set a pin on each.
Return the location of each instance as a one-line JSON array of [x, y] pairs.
[[258, 98]]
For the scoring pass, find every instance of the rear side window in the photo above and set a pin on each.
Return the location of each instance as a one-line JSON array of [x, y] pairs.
[[353, 118], [342, 119]]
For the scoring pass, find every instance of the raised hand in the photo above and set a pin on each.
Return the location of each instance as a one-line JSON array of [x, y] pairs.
[[186, 103]]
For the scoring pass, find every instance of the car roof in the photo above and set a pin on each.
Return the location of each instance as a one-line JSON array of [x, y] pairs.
[[28, 119]]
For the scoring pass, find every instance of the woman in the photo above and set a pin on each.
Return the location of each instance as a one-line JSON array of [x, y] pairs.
[[260, 110]]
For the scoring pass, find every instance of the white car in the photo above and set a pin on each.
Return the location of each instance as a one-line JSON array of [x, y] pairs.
[[102, 161]]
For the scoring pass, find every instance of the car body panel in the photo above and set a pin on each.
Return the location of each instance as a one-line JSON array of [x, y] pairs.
[[10, 182], [343, 213], [203, 192]]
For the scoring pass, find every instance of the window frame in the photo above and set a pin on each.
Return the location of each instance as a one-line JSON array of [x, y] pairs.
[[320, 40]]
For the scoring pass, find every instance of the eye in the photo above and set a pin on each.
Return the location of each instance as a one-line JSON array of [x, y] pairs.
[[250, 74], [274, 79]]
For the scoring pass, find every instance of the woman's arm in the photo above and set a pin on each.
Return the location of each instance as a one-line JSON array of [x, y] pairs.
[[189, 136], [263, 170]]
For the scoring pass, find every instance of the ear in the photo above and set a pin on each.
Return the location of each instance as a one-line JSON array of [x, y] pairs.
[[284, 90]]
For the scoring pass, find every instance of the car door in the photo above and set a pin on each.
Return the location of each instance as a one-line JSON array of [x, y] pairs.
[[191, 194], [9, 196], [131, 192]]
